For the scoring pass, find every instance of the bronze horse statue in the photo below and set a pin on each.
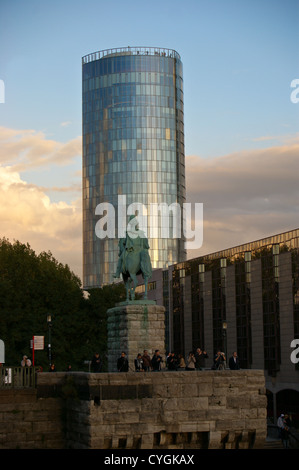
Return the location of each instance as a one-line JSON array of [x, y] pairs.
[[136, 262], [134, 259]]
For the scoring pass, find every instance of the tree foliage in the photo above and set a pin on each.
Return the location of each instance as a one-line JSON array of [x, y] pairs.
[[33, 286]]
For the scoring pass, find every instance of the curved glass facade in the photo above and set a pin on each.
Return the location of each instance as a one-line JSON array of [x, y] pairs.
[[133, 145]]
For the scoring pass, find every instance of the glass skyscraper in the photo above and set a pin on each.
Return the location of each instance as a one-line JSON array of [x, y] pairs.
[[133, 146]]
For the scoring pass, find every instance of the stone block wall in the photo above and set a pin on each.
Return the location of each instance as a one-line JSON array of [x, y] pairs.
[[169, 410], [27, 422], [155, 410], [133, 328]]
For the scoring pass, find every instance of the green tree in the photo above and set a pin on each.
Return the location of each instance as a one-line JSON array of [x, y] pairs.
[[33, 286]]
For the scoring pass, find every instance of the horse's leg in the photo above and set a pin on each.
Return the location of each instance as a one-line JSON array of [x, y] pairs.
[[127, 285], [129, 288], [145, 288], [134, 279]]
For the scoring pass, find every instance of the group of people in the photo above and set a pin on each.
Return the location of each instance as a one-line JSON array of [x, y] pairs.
[[26, 362], [220, 361], [195, 361], [143, 362]]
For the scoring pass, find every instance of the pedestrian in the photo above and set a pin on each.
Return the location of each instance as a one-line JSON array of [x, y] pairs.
[[280, 425], [96, 363], [147, 363], [181, 362], [156, 361], [25, 362], [122, 363], [26, 372], [233, 362], [219, 360], [200, 357], [191, 361], [138, 363], [171, 361], [285, 436]]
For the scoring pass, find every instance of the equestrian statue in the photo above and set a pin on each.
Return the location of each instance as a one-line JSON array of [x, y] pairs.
[[133, 258]]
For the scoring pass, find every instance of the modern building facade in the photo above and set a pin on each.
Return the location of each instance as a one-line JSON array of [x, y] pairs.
[[243, 299], [133, 146]]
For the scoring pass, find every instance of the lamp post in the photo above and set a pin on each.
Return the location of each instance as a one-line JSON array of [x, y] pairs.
[[49, 321], [224, 333]]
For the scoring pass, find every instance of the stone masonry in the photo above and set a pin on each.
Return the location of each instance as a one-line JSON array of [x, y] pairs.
[[168, 410], [154, 410], [133, 328], [29, 422]]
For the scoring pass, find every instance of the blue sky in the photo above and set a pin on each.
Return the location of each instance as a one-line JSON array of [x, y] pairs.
[[239, 58]]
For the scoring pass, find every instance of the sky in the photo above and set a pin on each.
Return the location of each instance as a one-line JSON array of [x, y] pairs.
[[239, 57]]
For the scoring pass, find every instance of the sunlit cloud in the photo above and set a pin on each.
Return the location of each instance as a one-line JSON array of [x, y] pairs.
[[28, 215], [246, 196], [28, 149], [282, 139], [27, 212]]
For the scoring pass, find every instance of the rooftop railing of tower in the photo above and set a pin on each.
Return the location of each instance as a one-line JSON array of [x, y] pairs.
[[155, 51]]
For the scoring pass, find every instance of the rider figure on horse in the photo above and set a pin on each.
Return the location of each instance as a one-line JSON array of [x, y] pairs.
[[133, 254], [135, 241]]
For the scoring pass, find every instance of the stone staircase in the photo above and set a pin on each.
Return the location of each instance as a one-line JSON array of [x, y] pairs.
[[272, 443]]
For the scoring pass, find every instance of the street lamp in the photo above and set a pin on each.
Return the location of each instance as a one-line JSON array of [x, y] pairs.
[[224, 333], [49, 321]]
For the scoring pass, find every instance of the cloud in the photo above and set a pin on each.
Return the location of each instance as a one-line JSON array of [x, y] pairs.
[[246, 196], [28, 149], [27, 212], [28, 215], [286, 139]]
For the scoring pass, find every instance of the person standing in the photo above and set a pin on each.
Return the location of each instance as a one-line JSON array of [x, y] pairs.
[[285, 435], [156, 361], [138, 363], [191, 361], [171, 361], [219, 360], [200, 357], [181, 362], [280, 425], [233, 362], [146, 361], [122, 363], [96, 363]]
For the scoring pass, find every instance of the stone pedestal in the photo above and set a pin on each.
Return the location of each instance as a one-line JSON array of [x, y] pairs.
[[132, 327]]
